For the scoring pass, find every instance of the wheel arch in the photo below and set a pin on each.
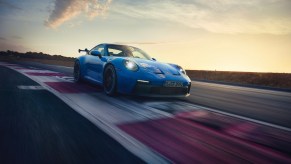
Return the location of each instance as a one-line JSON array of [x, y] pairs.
[[116, 63], [80, 60]]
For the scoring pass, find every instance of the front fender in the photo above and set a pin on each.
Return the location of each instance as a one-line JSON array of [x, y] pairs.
[[126, 79]]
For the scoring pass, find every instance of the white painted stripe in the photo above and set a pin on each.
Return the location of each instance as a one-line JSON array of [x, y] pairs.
[[37, 71], [38, 87], [63, 66], [66, 78], [47, 79], [141, 112]]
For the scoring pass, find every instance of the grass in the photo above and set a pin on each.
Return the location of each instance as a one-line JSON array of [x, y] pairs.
[[43, 61], [276, 80]]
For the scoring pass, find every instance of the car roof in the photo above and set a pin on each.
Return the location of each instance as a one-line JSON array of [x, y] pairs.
[[115, 44]]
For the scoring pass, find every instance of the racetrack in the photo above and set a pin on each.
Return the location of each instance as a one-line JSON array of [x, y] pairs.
[[270, 106], [217, 123]]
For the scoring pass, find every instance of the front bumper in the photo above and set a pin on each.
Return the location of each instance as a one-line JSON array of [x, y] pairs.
[[151, 85], [144, 89]]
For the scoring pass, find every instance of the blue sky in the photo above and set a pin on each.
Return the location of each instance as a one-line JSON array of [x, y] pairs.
[[249, 35]]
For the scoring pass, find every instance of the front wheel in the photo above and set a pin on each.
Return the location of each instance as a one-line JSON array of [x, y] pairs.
[[110, 80]]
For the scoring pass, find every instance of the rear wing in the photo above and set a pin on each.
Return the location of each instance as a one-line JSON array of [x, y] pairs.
[[85, 50]]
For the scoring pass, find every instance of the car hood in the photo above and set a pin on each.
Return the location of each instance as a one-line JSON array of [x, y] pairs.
[[155, 66]]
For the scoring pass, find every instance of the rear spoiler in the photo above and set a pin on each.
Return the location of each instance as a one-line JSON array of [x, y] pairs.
[[85, 50]]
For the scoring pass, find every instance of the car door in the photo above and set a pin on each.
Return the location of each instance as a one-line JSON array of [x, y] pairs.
[[94, 64]]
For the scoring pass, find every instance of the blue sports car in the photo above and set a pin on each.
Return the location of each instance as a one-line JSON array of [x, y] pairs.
[[129, 70]]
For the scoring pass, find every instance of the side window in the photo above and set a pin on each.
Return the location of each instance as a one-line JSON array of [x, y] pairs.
[[115, 52], [137, 54], [99, 48]]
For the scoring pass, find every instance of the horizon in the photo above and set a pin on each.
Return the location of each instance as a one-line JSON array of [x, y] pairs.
[[222, 35], [159, 61]]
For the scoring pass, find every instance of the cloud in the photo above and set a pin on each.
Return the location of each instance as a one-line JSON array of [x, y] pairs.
[[7, 44], [217, 16], [8, 5], [13, 37], [16, 37], [4, 46], [65, 10]]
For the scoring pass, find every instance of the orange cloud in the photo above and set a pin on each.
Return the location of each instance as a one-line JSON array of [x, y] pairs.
[[65, 10]]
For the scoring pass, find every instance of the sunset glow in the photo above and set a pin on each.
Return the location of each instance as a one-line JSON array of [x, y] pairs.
[[227, 35]]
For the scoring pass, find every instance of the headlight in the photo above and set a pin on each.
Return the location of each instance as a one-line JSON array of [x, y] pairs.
[[130, 65]]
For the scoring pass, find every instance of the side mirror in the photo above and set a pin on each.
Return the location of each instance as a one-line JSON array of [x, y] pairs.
[[96, 53], [85, 50], [154, 59]]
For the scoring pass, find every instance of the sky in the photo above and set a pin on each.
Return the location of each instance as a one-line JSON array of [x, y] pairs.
[[223, 35]]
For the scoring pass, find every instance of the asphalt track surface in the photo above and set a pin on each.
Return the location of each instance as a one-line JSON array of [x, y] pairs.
[[270, 106], [216, 124], [37, 127]]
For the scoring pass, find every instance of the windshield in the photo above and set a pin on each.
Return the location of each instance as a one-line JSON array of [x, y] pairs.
[[126, 51]]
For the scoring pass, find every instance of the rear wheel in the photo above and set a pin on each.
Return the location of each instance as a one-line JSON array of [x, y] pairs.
[[77, 72], [110, 80]]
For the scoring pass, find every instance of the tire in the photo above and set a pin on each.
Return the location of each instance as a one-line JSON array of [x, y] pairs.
[[77, 73], [110, 80]]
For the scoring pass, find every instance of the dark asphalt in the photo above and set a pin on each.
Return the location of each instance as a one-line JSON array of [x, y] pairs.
[[266, 105], [37, 127]]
